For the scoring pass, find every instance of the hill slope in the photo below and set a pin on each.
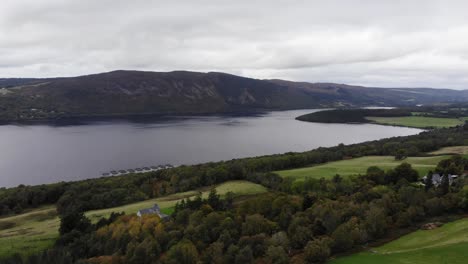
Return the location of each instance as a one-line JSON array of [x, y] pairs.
[[180, 92]]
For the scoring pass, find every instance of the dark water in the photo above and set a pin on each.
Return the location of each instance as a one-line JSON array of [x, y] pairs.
[[34, 154]]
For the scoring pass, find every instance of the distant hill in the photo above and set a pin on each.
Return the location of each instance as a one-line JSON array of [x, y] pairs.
[[121, 93]]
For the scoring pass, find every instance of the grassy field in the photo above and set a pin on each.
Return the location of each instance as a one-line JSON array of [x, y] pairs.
[[167, 203], [462, 150], [30, 232], [37, 229], [418, 121], [360, 165], [446, 244]]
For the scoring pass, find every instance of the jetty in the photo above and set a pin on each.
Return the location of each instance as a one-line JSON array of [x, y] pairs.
[[137, 170]]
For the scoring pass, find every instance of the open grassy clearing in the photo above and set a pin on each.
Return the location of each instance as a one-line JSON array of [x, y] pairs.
[[446, 244], [360, 165], [168, 202], [37, 230], [462, 150], [418, 121], [30, 232]]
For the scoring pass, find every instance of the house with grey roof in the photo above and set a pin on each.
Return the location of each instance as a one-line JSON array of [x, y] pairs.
[[153, 210], [437, 178]]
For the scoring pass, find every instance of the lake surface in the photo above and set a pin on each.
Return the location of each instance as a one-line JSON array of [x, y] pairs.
[[35, 154]]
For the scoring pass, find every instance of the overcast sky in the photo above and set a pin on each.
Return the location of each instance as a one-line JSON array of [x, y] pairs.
[[386, 43]]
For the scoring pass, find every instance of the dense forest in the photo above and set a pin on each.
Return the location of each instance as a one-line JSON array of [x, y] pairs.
[[308, 220]]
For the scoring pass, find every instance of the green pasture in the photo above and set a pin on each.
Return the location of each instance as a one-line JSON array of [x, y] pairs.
[[443, 245], [360, 165]]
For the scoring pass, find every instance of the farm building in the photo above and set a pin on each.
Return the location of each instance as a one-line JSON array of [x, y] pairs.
[[153, 210]]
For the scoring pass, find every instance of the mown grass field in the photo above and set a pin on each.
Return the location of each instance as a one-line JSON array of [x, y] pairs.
[[418, 121], [360, 165], [461, 150], [37, 230], [30, 232], [446, 244]]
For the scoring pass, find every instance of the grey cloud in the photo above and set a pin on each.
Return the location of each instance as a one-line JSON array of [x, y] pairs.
[[376, 43]]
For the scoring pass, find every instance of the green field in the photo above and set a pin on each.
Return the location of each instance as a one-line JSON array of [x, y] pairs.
[[30, 232], [167, 203], [446, 244], [37, 229], [360, 165], [418, 121]]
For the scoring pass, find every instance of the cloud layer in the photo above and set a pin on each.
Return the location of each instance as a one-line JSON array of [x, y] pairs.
[[386, 43]]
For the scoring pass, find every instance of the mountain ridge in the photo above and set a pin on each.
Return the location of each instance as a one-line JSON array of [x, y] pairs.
[[131, 92]]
